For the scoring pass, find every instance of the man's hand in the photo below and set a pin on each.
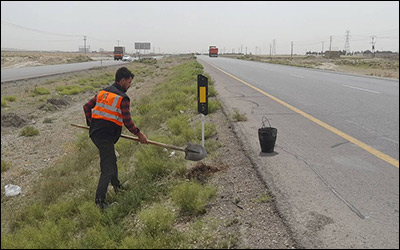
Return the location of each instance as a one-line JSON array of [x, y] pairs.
[[142, 138]]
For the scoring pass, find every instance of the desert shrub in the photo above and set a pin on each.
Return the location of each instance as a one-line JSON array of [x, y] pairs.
[[52, 188], [209, 130], [40, 91], [97, 237], [50, 81], [213, 105], [157, 219], [151, 162], [88, 214], [48, 120], [263, 198], [178, 124], [3, 103], [192, 197], [171, 240], [150, 61], [239, 117], [211, 91], [4, 166], [10, 98], [29, 131], [70, 90]]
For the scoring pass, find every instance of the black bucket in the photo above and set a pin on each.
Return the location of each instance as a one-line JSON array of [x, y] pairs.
[[267, 137]]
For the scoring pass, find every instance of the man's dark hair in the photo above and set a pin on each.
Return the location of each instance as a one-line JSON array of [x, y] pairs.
[[123, 72]]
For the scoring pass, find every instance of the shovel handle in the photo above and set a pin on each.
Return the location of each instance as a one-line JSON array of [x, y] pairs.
[[137, 139]]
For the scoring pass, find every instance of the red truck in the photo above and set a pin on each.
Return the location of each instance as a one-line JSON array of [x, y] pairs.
[[118, 52], [213, 51]]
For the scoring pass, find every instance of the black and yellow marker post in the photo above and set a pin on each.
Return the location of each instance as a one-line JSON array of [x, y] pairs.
[[202, 101]]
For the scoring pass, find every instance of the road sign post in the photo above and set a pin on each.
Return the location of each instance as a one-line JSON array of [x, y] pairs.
[[202, 101]]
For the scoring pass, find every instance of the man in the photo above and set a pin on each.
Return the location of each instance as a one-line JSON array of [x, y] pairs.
[[110, 110]]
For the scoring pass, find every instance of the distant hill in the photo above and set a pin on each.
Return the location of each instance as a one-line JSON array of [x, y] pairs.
[[12, 49]]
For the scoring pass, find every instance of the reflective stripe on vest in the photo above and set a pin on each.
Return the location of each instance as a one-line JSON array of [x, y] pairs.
[[108, 107]]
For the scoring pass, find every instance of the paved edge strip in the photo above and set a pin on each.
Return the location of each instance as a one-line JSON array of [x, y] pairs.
[[347, 137]]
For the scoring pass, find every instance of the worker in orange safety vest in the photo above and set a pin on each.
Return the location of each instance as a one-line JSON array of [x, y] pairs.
[[106, 113]]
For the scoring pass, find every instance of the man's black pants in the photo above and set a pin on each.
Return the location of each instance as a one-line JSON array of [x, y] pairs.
[[108, 166]]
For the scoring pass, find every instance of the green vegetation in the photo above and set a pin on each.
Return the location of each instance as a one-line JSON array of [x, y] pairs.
[[192, 197], [60, 213], [239, 117], [4, 166], [157, 220], [72, 89], [263, 198], [29, 131], [48, 120], [213, 105], [50, 81], [40, 91], [10, 98], [3, 103]]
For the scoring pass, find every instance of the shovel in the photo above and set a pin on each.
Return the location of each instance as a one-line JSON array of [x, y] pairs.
[[193, 152]]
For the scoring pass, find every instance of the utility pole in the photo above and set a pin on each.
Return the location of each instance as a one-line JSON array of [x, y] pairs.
[[273, 47], [347, 43], [330, 44], [322, 51], [84, 39], [373, 45], [118, 42], [255, 53], [270, 51], [291, 53], [246, 50], [241, 49]]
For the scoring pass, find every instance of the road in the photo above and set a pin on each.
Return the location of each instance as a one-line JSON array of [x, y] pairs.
[[334, 172], [39, 71]]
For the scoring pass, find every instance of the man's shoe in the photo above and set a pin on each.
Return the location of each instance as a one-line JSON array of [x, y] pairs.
[[101, 204], [121, 188]]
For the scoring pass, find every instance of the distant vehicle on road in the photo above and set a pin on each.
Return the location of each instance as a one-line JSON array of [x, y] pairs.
[[118, 52], [127, 58], [213, 51]]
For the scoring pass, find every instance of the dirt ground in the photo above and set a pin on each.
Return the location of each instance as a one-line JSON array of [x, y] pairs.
[[242, 199], [20, 59], [361, 65]]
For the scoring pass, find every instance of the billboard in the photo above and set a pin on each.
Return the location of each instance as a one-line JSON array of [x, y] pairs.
[[142, 45]]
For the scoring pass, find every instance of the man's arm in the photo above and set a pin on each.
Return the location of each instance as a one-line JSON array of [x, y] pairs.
[[88, 109], [126, 116]]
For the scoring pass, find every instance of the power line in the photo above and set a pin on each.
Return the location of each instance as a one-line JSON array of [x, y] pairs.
[[53, 33], [36, 30], [28, 40]]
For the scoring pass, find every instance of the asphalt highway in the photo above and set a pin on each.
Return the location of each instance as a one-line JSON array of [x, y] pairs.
[[15, 74], [335, 168]]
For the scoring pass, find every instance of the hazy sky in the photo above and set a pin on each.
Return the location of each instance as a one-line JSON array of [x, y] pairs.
[[175, 27]]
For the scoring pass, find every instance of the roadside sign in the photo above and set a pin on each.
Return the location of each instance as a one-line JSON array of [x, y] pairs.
[[202, 94], [142, 46]]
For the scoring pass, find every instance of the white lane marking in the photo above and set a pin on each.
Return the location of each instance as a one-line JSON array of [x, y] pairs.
[[297, 75], [376, 92]]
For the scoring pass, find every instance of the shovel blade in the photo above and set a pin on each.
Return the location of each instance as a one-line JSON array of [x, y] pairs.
[[195, 152]]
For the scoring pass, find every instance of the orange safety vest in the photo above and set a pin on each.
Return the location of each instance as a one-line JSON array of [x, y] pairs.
[[108, 107]]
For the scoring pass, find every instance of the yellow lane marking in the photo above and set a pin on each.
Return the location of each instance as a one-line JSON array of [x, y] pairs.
[[347, 137]]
